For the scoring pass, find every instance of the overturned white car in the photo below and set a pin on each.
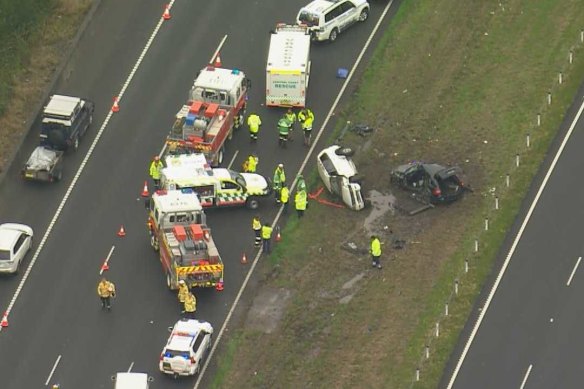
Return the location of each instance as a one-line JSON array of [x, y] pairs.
[[339, 174]]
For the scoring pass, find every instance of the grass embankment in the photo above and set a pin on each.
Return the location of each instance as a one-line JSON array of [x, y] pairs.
[[35, 34], [453, 82]]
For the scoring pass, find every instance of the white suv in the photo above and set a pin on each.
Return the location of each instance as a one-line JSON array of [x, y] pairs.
[[188, 343], [327, 18]]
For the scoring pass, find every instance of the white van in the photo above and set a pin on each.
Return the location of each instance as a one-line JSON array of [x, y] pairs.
[[326, 19], [288, 67], [132, 381]]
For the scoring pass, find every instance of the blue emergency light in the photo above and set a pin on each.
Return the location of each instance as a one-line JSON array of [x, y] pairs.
[[190, 119], [235, 71], [187, 190]]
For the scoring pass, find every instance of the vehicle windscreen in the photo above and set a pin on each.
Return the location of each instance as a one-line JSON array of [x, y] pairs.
[[308, 18], [235, 176], [4, 255]]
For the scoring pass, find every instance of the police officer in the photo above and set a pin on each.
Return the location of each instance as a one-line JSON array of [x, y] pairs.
[[375, 251], [279, 181], [106, 290], [300, 201], [266, 238], [190, 306], [256, 226], [254, 122], [306, 118], [156, 170], [284, 197]]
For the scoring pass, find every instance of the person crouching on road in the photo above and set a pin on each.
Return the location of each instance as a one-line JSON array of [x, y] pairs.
[[106, 290], [256, 225], [266, 238], [156, 170], [190, 306]]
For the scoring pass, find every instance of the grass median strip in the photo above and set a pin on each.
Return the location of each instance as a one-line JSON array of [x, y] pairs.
[[452, 82]]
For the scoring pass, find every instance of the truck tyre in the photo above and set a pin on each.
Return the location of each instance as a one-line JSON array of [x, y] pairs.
[[170, 282], [220, 156], [344, 151], [58, 175], [252, 202], [364, 15], [334, 34]]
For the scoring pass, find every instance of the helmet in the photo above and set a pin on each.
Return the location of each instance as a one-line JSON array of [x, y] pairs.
[[182, 282], [281, 165]]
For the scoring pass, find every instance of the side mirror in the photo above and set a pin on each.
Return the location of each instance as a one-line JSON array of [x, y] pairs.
[[150, 378], [114, 378], [169, 329]]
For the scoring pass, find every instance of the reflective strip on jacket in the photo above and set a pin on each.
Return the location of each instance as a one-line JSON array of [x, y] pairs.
[[256, 224]]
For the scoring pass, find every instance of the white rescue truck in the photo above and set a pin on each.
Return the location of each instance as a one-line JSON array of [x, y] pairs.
[[288, 67], [217, 187]]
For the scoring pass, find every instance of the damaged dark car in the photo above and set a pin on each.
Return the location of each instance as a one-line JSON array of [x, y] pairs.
[[430, 182]]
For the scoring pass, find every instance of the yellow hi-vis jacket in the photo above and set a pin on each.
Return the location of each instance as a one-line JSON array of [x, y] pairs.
[[106, 289], [254, 122], [306, 117], [252, 163], [190, 303], [376, 247], [256, 224], [155, 169], [266, 232], [300, 200], [284, 195], [183, 292]]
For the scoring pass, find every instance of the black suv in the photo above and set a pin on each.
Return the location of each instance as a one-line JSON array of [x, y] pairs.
[[65, 120]]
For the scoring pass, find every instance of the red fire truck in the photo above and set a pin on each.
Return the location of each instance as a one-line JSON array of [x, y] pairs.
[[178, 230], [215, 108]]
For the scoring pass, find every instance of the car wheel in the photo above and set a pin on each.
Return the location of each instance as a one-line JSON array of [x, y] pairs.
[[364, 15], [90, 120], [76, 143], [169, 282], [334, 34], [198, 369], [58, 176], [220, 156], [252, 203], [344, 151]]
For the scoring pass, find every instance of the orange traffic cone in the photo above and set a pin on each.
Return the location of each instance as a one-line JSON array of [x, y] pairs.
[[115, 107], [145, 192], [4, 322], [104, 267], [217, 63], [278, 236], [219, 286], [244, 259], [122, 232], [166, 14]]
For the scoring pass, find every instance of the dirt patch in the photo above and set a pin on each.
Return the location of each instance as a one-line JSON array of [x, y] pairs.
[[267, 309]]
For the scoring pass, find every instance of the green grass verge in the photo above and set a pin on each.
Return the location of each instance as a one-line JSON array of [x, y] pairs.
[[454, 82]]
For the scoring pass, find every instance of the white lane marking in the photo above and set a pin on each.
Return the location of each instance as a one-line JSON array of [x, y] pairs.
[[526, 377], [131, 366], [513, 247], [211, 61], [218, 49], [573, 271], [80, 170], [233, 159], [308, 155], [53, 370], [107, 259]]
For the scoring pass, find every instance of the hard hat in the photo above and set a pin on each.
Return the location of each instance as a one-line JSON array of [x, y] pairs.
[[281, 165], [181, 282]]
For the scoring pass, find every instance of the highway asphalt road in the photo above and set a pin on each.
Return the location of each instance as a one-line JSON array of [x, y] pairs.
[[531, 333], [57, 315]]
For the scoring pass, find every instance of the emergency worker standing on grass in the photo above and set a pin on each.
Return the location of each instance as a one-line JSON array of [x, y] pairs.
[[156, 170], [256, 225], [375, 251], [190, 306], [279, 181], [284, 197], [306, 118], [251, 163], [300, 200], [266, 238], [106, 290], [300, 183], [254, 122]]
